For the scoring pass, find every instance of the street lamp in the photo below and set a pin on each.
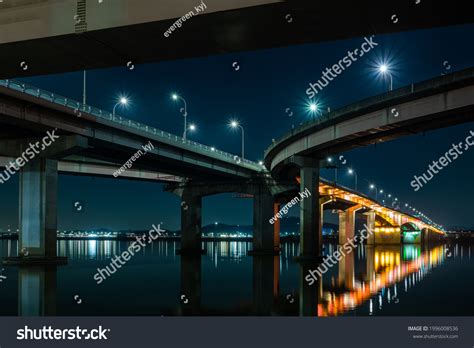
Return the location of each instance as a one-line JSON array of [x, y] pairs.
[[384, 70], [235, 124], [352, 171], [185, 113], [122, 101], [313, 107], [372, 186], [192, 127]]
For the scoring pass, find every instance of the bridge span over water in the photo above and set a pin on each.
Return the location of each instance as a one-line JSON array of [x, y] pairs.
[[95, 142]]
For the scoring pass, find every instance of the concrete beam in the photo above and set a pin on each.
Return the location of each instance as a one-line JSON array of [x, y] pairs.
[[61, 147]]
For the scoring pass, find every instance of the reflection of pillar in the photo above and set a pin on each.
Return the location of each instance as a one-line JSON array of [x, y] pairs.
[[191, 204], [37, 291], [263, 230], [190, 284], [347, 224], [38, 208], [371, 227], [264, 275], [310, 214], [310, 295], [370, 262], [346, 274]]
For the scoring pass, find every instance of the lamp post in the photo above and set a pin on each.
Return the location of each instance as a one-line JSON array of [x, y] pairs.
[[384, 69], [352, 171], [122, 101], [185, 113], [372, 186], [235, 124]]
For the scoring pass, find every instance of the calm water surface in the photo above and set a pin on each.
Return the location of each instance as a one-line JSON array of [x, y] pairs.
[[382, 280]]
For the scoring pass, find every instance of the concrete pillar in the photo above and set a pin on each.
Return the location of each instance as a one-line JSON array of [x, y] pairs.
[[310, 215], [347, 224], [38, 208], [263, 230], [37, 291], [191, 206], [371, 227]]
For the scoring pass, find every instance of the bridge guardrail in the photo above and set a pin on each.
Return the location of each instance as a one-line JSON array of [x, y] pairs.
[[80, 107]]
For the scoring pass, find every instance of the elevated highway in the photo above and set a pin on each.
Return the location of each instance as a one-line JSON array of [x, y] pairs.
[[440, 102], [53, 36]]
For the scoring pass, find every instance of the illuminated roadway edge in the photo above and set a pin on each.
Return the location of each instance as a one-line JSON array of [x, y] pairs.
[[326, 187]]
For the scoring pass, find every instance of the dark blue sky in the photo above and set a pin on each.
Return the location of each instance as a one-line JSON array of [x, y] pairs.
[[267, 83]]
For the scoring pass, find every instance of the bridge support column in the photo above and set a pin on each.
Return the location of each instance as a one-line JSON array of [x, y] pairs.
[[263, 231], [310, 215], [347, 224], [191, 206], [38, 214], [371, 227]]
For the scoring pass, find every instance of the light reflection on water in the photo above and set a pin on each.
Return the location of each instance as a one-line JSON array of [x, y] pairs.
[[369, 281]]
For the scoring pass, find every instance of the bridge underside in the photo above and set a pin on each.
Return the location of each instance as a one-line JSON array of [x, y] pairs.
[[242, 29]]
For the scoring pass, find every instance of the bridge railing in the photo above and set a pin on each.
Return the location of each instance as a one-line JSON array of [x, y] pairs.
[[79, 107]]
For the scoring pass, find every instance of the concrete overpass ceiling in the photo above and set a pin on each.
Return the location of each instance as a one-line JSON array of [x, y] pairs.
[[46, 35]]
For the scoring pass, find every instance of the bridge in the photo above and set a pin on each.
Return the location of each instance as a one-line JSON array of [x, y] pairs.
[[299, 155], [62, 35], [95, 142]]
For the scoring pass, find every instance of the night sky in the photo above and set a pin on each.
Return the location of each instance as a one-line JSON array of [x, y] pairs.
[[267, 83]]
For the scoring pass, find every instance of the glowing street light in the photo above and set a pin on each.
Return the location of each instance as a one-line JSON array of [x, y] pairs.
[[235, 124], [122, 101], [192, 127], [185, 113], [385, 70], [313, 107]]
